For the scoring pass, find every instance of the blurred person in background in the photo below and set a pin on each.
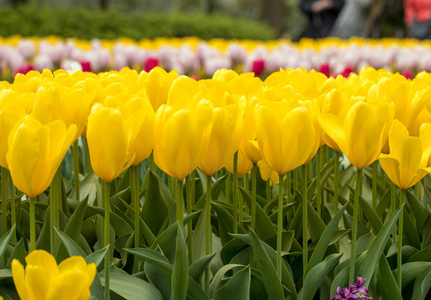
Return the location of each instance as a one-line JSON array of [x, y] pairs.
[[417, 15], [321, 15], [359, 18]]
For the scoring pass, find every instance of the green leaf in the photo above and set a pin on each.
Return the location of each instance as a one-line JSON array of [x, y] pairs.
[[270, 279], [323, 243], [412, 270], [121, 226], [5, 273], [73, 228], [419, 211], [154, 202], [18, 253], [372, 255], [199, 237], [154, 258], [317, 275], [4, 241], [72, 248], [197, 269], [264, 227], [423, 255], [97, 256], [238, 287], [387, 285], [180, 274], [411, 235], [422, 284], [225, 221], [131, 288], [218, 277]]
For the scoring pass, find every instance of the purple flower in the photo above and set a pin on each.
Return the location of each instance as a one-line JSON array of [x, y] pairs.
[[358, 287], [366, 298], [342, 294]]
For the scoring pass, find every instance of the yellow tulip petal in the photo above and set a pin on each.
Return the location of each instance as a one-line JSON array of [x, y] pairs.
[[19, 279]]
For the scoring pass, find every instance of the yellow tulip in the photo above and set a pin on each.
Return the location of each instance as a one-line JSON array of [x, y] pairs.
[[109, 137], [36, 151], [362, 134], [244, 165], [42, 279], [286, 134], [222, 139], [157, 85], [178, 138], [248, 145], [54, 101], [407, 161], [266, 172]]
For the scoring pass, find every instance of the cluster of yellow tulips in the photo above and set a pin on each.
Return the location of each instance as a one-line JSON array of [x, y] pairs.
[[236, 121]]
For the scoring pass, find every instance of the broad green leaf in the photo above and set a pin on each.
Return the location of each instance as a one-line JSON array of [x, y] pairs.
[[131, 288], [419, 211], [18, 253], [97, 257], [155, 258], [197, 268], [121, 226], [317, 275], [218, 277], [387, 285], [73, 228], [264, 226], [154, 202], [323, 243], [180, 274], [411, 234], [423, 255], [72, 248], [411, 270], [199, 237], [225, 222], [238, 287], [422, 284], [372, 255], [4, 241], [5, 273]]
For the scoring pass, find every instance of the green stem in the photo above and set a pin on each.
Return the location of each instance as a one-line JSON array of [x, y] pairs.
[[75, 153], [417, 191], [393, 205], [310, 171], [279, 225], [87, 159], [106, 189], [295, 182], [235, 193], [54, 219], [134, 186], [374, 191], [304, 220], [355, 225], [288, 192], [241, 203], [180, 203], [382, 177], [152, 164], [228, 185], [3, 201], [400, 242], [12, 206], [193, 187], [208, 232], [319, 187], [189, 226], [336, 180], [32, 224], [253, 196]]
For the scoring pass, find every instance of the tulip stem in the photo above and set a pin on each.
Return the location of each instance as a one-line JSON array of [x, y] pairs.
[[279, 224], [393, 205], [355, 225], [374, 190], [180, 203], [228, 185], [3, 200], [75, 154], [12, 206], [54, 218], [32, 224], [336, 180], [106, 190], [189, 211], [400, 242], [87, 159], [319, 179], [295, 182], [241, 203], [208, 245], [134, 185], [304, 221], [253, 196], [288, 192], [235, 193]]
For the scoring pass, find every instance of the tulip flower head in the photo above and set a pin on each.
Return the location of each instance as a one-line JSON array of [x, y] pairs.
[[42, 279]]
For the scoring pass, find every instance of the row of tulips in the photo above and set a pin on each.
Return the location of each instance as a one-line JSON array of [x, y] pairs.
[[199, 58], [233, 121]]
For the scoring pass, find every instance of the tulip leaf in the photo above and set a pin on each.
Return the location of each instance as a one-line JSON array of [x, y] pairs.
[[18, 253], [197, 268], [131, 288], [73, 228], [154, 202], [317, 275], [199, 237], [121, 226], [372, 255], [419, 211], [72, 248], [264, 226], [238, 286], [146, 232], [180, 273], [411, 270], [225, 222], [411, 233], [422, 284], [218, 277], [387, 285], [97, 257], [372, 217], [5, 273], [324, 240], [88, 189], [4, 241]]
